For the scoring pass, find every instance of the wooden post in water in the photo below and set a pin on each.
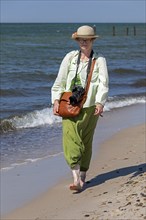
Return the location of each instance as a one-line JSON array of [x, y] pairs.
[[134, 29], [127, 31], [114, 31]]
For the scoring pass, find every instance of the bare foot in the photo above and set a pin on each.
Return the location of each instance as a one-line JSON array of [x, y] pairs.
[[75, 187], [82, 178], [82, 183]]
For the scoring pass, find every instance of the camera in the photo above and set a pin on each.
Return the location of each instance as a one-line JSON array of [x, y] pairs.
[[77, 94]]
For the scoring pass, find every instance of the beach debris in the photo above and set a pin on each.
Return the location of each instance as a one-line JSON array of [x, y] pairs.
[[126, 158], [142, 194], [87, 215], [105, 192]]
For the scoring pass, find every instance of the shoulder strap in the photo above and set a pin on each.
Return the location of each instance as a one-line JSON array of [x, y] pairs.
[[88, 82], [90, 75]]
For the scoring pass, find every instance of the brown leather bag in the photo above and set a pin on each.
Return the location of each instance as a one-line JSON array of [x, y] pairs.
[[66, 110]]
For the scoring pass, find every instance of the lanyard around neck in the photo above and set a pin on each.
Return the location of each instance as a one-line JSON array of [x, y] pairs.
[[88, 68]]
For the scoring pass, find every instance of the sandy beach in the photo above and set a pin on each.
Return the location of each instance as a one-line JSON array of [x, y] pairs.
[[115, 187]]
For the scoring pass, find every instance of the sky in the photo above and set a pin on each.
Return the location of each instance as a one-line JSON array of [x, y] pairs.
[[70, 11]]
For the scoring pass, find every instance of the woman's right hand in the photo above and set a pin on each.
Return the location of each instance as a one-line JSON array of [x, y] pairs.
[[56, 107]]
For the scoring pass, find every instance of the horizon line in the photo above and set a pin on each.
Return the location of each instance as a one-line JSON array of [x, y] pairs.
[[55, 22]]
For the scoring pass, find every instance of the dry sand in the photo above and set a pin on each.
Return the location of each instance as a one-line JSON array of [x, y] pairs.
[[115, 188]]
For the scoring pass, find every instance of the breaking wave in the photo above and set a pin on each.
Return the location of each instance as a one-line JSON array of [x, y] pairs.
[[46, 117]]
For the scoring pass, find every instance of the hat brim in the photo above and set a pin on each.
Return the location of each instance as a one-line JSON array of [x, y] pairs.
[[75, 36]]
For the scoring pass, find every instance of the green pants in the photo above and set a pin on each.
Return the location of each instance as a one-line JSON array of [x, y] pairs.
[[77, 138]]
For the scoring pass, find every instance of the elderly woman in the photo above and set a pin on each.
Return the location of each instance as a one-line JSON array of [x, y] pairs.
[[78, 131]]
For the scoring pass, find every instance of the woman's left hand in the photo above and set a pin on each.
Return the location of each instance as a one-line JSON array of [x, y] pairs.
[[98, 110]]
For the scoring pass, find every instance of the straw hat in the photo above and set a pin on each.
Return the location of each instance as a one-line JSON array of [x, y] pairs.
[[84, 32]]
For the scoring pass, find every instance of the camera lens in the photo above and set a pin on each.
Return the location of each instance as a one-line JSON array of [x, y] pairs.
[[77, 94], [73, 100]]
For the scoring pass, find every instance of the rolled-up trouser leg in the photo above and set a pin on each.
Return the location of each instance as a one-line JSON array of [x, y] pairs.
[[77, 138]]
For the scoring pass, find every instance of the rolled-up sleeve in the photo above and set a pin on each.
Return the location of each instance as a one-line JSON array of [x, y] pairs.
[[103, 87]]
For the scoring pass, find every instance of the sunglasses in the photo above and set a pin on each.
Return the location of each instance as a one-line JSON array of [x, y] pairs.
[[81, 40]]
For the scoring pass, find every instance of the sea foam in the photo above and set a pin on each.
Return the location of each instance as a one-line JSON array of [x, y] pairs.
[[46, 117]]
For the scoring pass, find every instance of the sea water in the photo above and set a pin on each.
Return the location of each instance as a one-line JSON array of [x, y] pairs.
[[30, 58]]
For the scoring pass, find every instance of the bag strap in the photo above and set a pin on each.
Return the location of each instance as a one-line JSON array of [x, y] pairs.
[[89, 65], [88, 82], [90, 75]]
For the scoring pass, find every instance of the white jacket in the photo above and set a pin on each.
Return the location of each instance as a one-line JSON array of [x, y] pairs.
[[98, 89]]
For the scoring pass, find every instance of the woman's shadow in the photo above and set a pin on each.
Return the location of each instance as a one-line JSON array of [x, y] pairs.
[[101, 178]]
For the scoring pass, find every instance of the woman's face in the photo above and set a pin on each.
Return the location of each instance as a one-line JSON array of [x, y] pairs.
[[85, 43]]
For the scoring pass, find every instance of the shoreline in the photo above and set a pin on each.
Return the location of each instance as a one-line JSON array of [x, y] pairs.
[[63, 170]]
